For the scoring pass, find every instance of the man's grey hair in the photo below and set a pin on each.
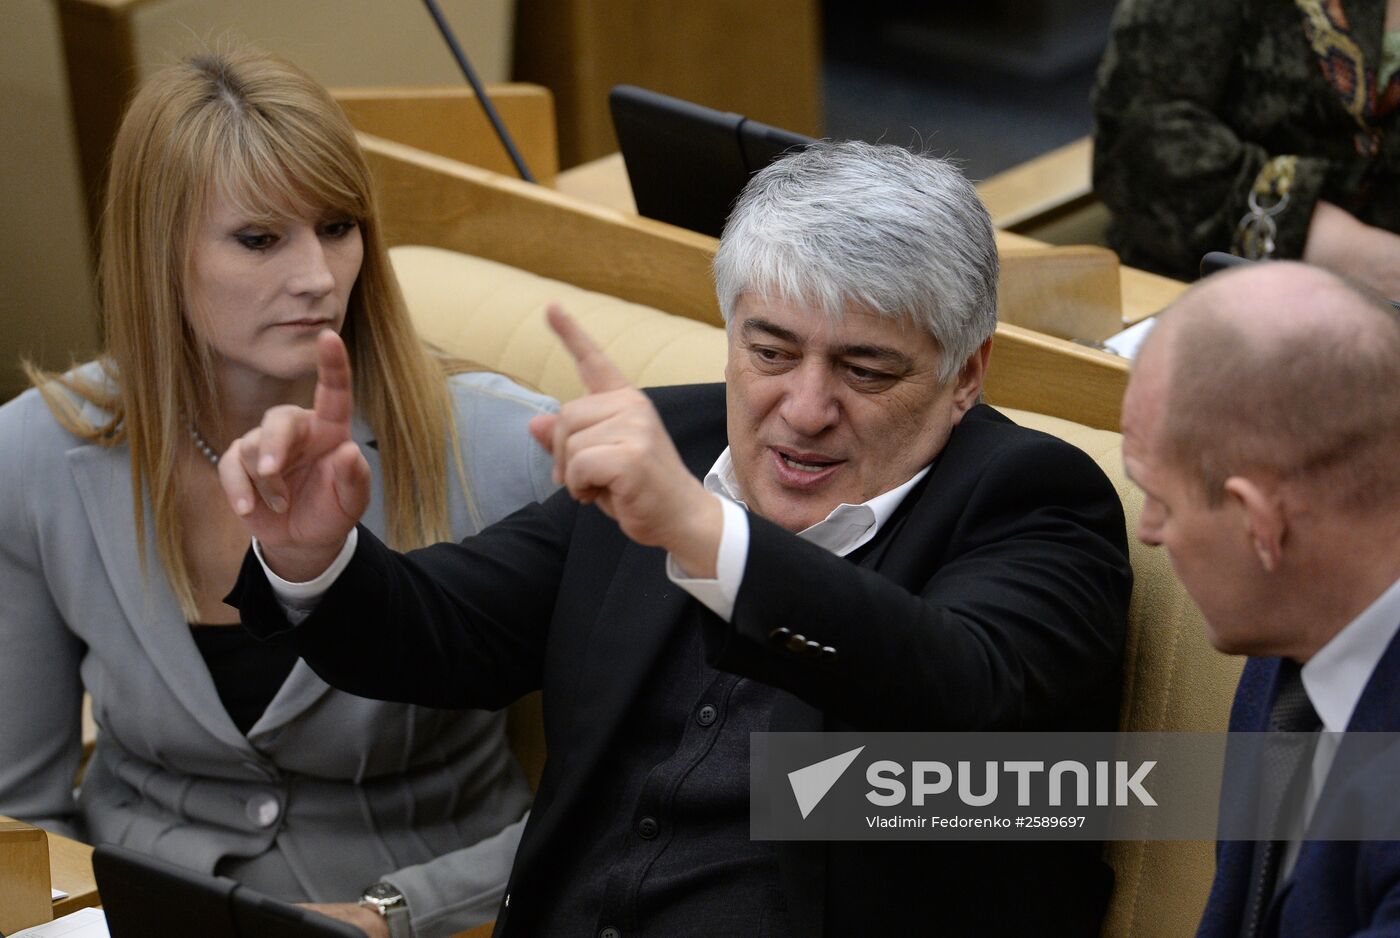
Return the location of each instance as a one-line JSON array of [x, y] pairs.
[[851, 225]]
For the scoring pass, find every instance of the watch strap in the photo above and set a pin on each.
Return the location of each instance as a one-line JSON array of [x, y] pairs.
[[399, 922], [388, 900]]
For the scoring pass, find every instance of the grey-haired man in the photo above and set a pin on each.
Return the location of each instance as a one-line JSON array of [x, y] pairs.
[[838, 538]]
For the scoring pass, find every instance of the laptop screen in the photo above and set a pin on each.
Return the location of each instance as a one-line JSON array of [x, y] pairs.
[[142, 897], [687, 163]]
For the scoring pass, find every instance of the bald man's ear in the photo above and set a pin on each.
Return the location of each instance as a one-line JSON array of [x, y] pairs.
[[968, 384], [1266, 523]]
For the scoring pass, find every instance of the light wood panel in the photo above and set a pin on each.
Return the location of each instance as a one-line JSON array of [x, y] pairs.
[[71, 865], [1069, 292], [1033, 371], [759, 59], [1143, 294], [24, 877], [102, 74], [602, 181], [1146, 294], [427, 199], [66, 865], [1047, 190], [1038, 190], [47, 302], [451, 123]]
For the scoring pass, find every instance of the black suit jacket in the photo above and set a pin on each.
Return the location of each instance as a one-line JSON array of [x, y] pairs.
[[995, 599], [1337, 888]]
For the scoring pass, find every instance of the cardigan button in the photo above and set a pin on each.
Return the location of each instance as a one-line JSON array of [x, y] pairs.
[[779, 635], [263, 810]]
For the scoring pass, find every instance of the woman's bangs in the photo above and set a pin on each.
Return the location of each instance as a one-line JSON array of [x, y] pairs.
[[267, 183]]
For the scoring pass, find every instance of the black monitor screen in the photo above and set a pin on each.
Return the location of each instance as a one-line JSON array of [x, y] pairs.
[[687, 163]]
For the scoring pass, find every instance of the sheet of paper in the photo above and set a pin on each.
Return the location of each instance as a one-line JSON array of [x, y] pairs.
[[1126, 343], [59, 894], [84, 923]]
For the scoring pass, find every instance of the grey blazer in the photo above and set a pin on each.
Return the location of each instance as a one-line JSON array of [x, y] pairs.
[[328, 792]]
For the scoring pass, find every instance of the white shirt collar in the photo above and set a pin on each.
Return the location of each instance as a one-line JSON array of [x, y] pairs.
[[846, 528], [1335, 677]]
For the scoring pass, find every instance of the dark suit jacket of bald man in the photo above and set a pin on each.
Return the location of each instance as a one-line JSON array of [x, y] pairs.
[[995, 599], [1336, 888]]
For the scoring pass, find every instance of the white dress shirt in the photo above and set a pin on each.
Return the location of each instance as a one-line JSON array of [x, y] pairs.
[[298, 599], [846, 528], [1334, 679]]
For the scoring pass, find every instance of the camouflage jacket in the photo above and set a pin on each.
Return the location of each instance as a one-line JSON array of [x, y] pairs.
[[1202, 104]]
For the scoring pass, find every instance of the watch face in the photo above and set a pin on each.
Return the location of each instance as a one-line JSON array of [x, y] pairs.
[[383, 893]]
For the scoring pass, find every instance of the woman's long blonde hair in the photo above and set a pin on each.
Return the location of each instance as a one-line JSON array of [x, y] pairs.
[[255, 128]]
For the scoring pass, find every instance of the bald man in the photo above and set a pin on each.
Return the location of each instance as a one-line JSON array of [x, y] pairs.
[[1262, 423]]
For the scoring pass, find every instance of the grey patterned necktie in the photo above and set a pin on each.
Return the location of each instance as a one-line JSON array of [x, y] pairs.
[[1281, 784]]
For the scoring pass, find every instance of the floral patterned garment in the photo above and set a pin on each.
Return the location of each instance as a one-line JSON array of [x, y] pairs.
[[1220, 123]]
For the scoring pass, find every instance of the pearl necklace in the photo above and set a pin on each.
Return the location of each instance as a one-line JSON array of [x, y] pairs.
[[203, 446]]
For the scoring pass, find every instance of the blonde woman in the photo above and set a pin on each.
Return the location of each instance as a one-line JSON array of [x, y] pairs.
[[240, 222]]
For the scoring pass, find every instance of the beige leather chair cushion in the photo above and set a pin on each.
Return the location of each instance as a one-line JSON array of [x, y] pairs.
[[494, 314], [1174, 681]]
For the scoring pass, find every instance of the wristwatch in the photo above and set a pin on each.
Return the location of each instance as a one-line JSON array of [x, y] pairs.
[[386, 899]]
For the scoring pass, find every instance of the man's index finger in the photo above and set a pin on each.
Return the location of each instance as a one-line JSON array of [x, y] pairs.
[[594, 367]]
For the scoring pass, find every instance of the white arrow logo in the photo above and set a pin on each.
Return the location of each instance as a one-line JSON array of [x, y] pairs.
[[810, 784]]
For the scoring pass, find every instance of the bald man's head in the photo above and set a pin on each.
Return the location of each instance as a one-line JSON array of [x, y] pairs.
[[1278, 370]]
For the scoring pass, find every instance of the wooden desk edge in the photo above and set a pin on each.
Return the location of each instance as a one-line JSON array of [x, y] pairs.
[[70, 869]]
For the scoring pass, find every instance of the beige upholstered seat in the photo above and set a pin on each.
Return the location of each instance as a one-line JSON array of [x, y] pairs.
[[493, 314]]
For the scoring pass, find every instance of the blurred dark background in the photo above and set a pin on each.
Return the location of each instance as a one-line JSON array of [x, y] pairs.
[[991, 83]]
